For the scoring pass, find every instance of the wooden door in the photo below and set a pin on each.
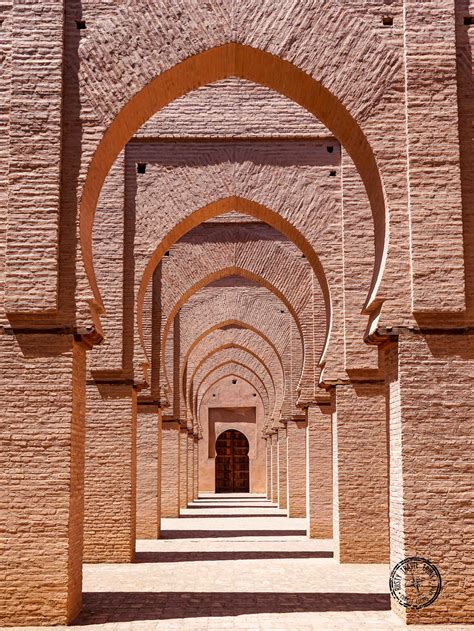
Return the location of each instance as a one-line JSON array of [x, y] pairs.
[[232, 463]]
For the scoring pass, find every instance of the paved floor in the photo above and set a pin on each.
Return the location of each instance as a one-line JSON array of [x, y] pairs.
[[236, 562]]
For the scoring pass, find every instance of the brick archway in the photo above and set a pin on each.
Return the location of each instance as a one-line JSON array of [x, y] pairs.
[[260, 67]]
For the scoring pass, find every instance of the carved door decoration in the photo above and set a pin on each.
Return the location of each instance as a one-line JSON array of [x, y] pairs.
[[232, 463]]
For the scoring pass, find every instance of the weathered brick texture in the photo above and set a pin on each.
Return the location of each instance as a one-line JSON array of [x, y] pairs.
[[430, 470], [35, 155], [319, 471], [110, 474], [43, 409], [183, 468], [190, 468], [296, 472], [148, 474], [274, 441], [170, 469], [360, 474], [268, 451], [196, 467], [282, 467]]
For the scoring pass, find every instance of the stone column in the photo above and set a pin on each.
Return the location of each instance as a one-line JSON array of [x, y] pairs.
[[319, 471], [42, 453], [274, 439], [360, 474], [183, 468], [196, 468], [296, 473], [110, 474], [430, 382], [190, 468], [148, 473], [268, 443], [170, 469], [282, 466]]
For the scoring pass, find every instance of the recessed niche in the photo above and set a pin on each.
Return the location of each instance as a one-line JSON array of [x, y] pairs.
[[141, 167], [387, 20]]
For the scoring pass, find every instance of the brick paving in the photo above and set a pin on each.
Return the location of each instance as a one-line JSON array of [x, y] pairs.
[[236, 562]]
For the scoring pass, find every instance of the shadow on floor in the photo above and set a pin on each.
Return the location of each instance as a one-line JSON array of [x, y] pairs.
[[102, 607], [176, 557], [214, 534]]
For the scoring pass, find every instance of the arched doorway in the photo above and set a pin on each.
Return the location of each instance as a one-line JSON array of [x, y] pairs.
[[232, 462]]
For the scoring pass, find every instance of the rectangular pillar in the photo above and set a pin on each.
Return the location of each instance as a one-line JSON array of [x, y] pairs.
[[296, 473], [430, 382], [190, 468], [196, 468], [110, 474], [35, 167], [268, 444], [433, 168], [274, 439], [360, 474], [42, 380], [148, 474], [170, 469], [183, 468], [282, 466], [319, 467]]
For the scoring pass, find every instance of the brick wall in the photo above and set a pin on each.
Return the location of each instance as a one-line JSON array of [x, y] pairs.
[[361, 474], [42, 455], [183, 468], [282, 467], [170, 469], [319, 472], [110, 474], [148, 479], [431, 398], [274, 440], [296, 440]]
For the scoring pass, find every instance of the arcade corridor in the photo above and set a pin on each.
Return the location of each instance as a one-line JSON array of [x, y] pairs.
[[236, 314]]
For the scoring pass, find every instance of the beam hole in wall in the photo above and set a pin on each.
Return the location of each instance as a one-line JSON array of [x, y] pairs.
[[387, 20], [469, 20], [332, 173], [234, 381], [141, 167], [81, 25], [330, 149]]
